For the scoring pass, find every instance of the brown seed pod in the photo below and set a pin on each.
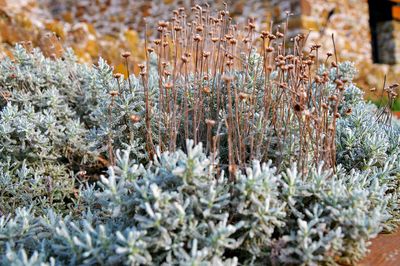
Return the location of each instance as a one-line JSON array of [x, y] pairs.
[[349, 111], [210, 122], [135, 119], [126, 54], [114, 93], [168, 85], [162, 24], [206, 90], [184, 59], [243, 96], [197, 38], [269, 49], [227, 78], [117, 75]]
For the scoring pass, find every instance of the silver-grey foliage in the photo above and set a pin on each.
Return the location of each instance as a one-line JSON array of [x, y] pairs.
[[180, 208]]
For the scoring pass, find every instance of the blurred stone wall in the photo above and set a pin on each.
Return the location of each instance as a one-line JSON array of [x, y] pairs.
[[105, 28], [348, 20]]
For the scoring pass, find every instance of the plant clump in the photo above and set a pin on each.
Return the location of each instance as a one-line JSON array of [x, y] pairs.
[[231, 147]]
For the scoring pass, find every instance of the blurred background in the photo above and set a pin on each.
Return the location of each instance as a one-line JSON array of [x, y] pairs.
[[367, 32]]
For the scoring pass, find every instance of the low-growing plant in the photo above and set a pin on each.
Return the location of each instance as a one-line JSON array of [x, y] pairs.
[[227, 149]]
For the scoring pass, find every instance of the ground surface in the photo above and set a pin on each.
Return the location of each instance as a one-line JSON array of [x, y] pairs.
[[385, 251]]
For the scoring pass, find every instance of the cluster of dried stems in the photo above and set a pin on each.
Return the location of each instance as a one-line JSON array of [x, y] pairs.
[[199, 57], [384, 114]]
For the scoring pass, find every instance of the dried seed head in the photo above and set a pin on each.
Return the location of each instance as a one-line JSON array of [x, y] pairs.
[[332, 98], [264, 34], [199, 28], [197, 38], [207, 90], [117, 75], [214, 39], [228, 37], [168, 85], [157, 42], [126, 54], [373, 89], [269, 49], [135, 119], [114, 93], [162, 24], [337, 115], [243, 96], [227, 78], [333, 64], [184, 59], [141, 66], [339, 82], [206, 54], [349, 111], [329, 54], [150, 50], [324, 106], [210, 122]]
